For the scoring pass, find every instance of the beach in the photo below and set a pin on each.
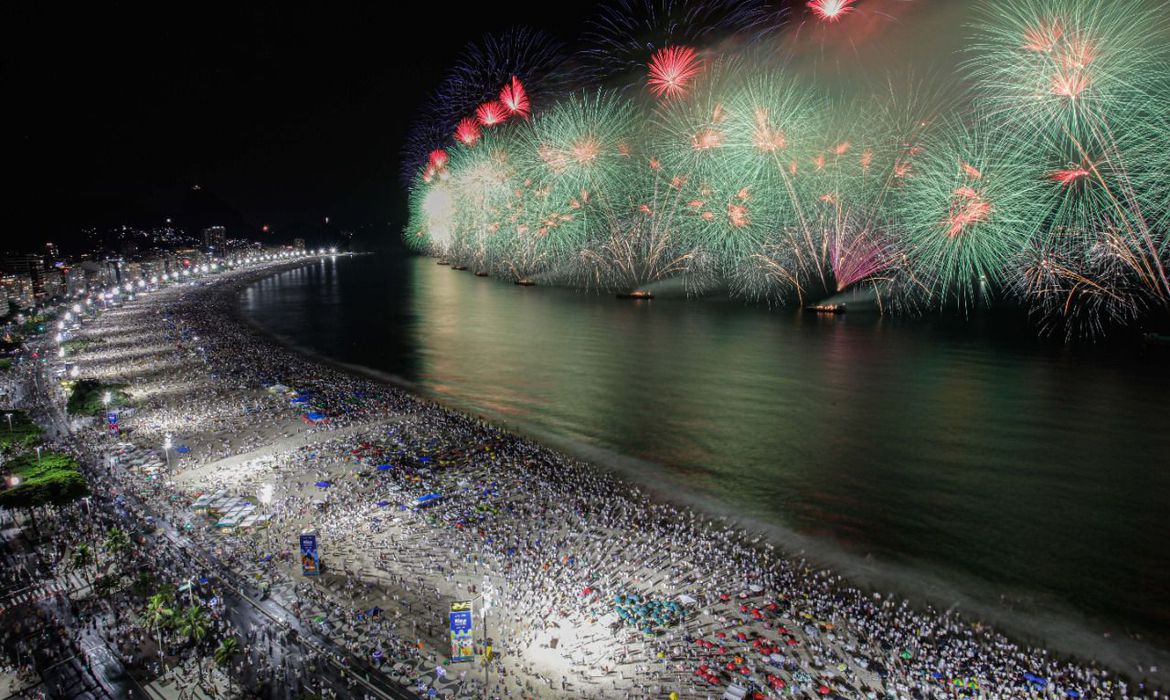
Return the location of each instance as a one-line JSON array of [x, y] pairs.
[[593, 587]]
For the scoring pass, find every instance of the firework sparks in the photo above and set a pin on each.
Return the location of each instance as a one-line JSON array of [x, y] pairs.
[[467, 131], [672, 69], [1068, 176], [491, 113], [831, 10], [515, 99]]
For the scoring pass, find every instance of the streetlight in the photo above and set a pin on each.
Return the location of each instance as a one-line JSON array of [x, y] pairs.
[[167, 449]]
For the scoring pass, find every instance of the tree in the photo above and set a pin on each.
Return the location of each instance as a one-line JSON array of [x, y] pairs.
[[33, 482], [158, 614], [224, 653], [194, 626], [82, 556], [117, 541], [87, 397], [19, 432]]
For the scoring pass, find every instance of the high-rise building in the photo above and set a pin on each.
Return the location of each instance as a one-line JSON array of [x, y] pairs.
[[30, 267], [299, 245], [214, 239], [52, 252]]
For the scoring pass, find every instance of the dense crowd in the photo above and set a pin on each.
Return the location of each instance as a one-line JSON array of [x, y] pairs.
[[568, 555]]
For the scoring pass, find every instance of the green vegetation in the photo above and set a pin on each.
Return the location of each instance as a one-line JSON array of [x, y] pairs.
[[79, 344], [22, 432], [53, 479], [88, 397], [5, 364], [36, 323]]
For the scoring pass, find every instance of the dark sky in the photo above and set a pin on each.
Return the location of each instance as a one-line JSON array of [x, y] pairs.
[[115, 109]]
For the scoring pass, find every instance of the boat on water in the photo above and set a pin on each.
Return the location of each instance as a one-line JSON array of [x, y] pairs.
[[458, 267], [480, 273], [636, 294], [825, 308], [442, 262], [525, 282]]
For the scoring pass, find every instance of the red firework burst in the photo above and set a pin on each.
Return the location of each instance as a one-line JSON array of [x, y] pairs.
[[1067, 176], [671, 71], [515, 99], [491, 113], [831, 10], [438, 158], [967, 207], [467, 131]]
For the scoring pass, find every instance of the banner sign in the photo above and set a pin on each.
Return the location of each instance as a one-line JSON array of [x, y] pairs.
[[462, 641], [310, 562]]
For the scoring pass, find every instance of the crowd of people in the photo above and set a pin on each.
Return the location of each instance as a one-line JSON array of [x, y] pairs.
[[582, 584]]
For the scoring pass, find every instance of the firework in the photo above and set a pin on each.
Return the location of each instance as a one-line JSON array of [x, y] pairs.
[[626, 34], [530, 58], [672, 70], [1044, 64], [1048, 182], [963, 228], [830, 10], [467, 131], [491, 114], [574, 157], [515, 99]]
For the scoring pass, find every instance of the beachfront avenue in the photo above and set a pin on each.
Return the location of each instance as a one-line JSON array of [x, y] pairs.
[[226, 448]]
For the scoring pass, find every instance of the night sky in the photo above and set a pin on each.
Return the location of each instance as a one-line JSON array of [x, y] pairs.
[[285, 114], [282, 115]]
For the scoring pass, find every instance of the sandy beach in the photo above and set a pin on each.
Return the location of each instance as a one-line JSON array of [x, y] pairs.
[[596, 589]]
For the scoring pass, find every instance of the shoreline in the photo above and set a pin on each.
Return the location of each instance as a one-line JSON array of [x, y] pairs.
[[1053, 627], [777, 574]]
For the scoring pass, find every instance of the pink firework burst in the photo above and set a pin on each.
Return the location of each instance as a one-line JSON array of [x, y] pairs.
[[1068, 176], [467, 131], [515, 99], [491, 113], [831, 10], [672, 69]]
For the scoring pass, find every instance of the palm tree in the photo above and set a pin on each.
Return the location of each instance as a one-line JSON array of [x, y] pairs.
[[117, 541], [194, 626], [157, 615], [82, 556], [224, 653]]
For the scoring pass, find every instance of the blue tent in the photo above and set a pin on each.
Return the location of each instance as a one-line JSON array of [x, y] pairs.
[[315, 417], [1035, 680], [299, 399], [428, 500], [385, 467], [382, 504], [323, 484], [182, 449]]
